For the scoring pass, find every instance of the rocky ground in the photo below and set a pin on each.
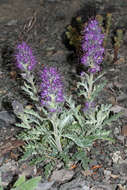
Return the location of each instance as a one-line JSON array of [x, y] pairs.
[[42, 24]]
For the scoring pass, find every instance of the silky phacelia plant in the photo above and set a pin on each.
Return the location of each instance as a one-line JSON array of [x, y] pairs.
[[25, 59], [56, 124], [26, 62], [92, 46], [93, 50], [51, 89]]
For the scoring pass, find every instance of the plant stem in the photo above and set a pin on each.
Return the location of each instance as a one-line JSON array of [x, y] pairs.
[[90, 85], [57, 138], [56, 135], [31, 81]]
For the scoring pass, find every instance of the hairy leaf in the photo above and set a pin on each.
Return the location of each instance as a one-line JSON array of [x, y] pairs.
[[31, 184]]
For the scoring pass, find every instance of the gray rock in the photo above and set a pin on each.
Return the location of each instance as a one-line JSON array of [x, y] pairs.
[[76, 184], [17, 107], [2, 123], [123, 168], [107, 174], [85, 187], [104, 187], [7, 117], [44, 186], [62, 175], [8, 170], [28, 170]]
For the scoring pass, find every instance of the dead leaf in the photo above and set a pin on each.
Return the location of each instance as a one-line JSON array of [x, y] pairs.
[[24, 166], [124, 131], [114, 176], [96, 167], [117, 108], [119, 61], [120, 187], [113, 101], [3, 91], [6, 161], [73, 167], [14, 156], [29, 107], [49, 53], [13, 74], [10, 145]]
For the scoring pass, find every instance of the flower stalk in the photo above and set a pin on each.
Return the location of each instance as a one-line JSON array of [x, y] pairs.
[[90, 86], [52, 98], [26, 62], [56, 132], [92, 46]]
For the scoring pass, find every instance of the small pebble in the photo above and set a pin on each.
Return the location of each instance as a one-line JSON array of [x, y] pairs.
[[12, 22]]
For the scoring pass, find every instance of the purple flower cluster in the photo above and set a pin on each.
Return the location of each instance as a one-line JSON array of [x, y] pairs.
[[24, 57], [92, 46], [51, 89]]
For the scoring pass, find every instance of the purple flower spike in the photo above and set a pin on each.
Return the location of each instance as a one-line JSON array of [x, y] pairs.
[[51, 89], [92, 46], [24, 57]]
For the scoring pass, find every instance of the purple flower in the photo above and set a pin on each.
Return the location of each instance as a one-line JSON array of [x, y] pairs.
[[88, 106], [92, 46], [24, 57], [51, 89]]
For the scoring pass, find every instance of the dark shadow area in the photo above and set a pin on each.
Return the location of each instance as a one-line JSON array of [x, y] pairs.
[[10, 185], [7, 54]]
